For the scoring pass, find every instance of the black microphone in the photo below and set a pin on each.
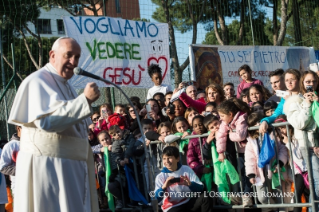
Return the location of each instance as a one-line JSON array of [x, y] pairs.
[[79, 71]]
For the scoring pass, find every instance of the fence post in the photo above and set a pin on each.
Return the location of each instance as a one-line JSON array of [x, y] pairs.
[[310, 173], [4, 83]]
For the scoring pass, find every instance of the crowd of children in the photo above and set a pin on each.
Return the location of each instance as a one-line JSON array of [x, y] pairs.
[[180, 165]]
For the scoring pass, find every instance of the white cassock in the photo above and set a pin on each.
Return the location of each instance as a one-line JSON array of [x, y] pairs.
[[55, 170]]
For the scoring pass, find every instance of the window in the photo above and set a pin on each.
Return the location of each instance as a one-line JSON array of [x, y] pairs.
[[60, 26], [117, 6], [43, 26]]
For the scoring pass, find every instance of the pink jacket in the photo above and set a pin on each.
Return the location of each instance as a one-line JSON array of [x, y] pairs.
[[104, 126], [244, 85], [194, 158], [189, 102], [251, 159], [240, 124]]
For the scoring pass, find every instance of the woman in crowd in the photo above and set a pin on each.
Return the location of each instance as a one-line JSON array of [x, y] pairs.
[[132, 116], [298, 109], [214, 93], [292, 77]]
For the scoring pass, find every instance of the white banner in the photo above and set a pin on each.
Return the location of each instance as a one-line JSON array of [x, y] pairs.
[[220, 64], [119, 50]]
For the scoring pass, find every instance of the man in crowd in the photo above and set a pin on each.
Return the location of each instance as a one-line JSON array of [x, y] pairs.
[[277, 83], [55, 169], [191, 91]]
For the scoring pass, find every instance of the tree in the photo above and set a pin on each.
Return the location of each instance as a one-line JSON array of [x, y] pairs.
[[93, 5], [16, 14], [235, 27], [181, 15]]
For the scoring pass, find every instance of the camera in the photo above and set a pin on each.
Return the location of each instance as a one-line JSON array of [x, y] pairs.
[[175, 180], [309, 88], [171, 108]]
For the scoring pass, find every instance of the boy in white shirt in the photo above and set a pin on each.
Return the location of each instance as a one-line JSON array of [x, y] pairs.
[[155, 73], [178, 186]]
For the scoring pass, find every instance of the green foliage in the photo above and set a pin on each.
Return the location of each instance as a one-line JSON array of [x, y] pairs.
[[179, 12], [22, 59], [19, 12], [141, 19], [309, 22], [261, 38]]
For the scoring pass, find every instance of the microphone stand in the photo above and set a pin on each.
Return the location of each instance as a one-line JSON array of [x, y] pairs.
[[153, 199]]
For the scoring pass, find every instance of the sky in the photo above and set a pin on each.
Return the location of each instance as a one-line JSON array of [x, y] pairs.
[[183, 40]]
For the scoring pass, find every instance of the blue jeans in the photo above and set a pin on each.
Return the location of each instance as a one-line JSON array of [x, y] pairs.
[[314, 163]]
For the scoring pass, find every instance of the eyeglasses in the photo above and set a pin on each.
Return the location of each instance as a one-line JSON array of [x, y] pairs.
[[96, 118], [131, 111]]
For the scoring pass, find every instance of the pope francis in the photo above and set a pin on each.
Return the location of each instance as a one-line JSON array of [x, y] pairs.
[[55, 170]]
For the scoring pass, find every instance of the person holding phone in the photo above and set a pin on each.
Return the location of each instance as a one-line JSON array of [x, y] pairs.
[[298, 110], [102, 122], [179, 182]]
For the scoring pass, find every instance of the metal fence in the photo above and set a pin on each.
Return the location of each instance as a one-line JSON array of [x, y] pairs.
[[313, 203]]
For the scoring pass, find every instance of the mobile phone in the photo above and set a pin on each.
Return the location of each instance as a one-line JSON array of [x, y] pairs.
[[309, 88], [207, 113], [280, 93], [104, 113], [175, 180], [148, 109]]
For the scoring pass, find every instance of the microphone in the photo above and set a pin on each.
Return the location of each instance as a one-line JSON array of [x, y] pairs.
[[79, 71]]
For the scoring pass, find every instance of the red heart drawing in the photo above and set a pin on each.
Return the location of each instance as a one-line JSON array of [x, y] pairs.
[[157, 61]]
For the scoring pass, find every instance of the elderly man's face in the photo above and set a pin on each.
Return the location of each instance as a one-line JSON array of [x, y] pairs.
[[66, 57], [191, 91]]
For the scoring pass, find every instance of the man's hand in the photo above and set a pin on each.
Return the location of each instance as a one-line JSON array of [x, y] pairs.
[[91, 92], [167, 182]]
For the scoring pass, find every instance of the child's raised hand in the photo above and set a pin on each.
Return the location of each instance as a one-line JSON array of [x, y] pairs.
[[210, 137], [100, 121], [162, 138], [185, 134], [147, 142], [221, 157], [109, 147], [185, 181], [285, 140], [252, 181], [153, 115], [167, 182]]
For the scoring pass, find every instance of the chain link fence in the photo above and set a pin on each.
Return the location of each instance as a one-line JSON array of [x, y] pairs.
[[33, 26]]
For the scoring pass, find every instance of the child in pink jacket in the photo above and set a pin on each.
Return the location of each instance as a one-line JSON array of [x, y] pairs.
[[233, 114], [254, 173]]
